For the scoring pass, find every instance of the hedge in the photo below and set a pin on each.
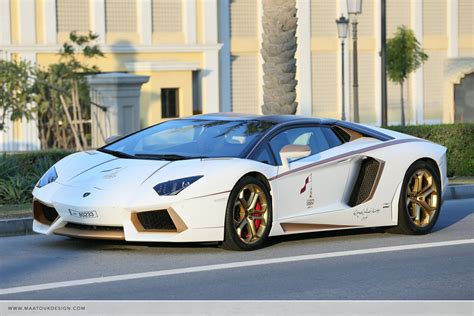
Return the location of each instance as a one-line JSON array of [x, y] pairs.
[[19, 173], [457, 138]]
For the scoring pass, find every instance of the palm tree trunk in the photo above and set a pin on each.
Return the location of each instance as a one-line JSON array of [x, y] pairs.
[[402, 104], [278, 51]]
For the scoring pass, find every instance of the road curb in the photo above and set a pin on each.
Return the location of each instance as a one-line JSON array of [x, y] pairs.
[[16, 226], [459, 192], [23, 226]]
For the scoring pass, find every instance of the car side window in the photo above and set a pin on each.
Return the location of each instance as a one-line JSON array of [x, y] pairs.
[[317, 138]]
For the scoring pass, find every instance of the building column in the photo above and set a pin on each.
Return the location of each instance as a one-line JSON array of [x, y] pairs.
[[189, 21], [97, 19], [225, 57], [27, 131], [417, 78], [303, 54], [144, 21], [452, 25], [27, 23], [49, 28], [209, 75], [5, 37]]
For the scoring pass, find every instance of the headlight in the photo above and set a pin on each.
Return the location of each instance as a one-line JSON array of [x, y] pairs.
[[173, 187], [47, 178]]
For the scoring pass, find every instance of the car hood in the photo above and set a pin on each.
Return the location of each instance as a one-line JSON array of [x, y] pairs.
[[106, 172]]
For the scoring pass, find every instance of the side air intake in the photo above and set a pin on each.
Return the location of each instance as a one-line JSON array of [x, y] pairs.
[[367, 180]]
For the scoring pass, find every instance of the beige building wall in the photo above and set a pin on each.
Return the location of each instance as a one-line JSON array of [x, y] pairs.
[[324, 53], [435, 43], [466, 28]]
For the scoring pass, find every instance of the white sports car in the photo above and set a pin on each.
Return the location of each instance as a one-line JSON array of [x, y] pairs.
[[240, 179]]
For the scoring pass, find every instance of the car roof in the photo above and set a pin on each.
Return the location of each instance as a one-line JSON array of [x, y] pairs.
[[277, 119]]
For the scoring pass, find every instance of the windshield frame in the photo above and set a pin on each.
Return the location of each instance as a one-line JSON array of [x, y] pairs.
[[246, 150]]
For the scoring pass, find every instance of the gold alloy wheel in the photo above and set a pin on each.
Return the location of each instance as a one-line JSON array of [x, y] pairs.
[[422, 197], [250, 213]]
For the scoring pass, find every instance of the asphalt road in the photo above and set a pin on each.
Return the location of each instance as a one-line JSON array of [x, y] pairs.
[[360, 266]]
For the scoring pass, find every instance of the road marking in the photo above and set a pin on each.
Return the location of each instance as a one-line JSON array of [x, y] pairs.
[[231, 265]]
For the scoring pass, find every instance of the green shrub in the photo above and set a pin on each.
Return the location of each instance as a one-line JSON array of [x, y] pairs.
[[19, 173], [457, 138]]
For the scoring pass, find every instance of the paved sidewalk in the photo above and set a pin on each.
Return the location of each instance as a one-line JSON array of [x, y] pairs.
[[23, 226]]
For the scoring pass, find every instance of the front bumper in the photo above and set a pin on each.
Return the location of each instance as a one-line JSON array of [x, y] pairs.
[[168, 220]]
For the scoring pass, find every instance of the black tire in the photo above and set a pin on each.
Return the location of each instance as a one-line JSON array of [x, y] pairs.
[[407, 225], [232, 240]]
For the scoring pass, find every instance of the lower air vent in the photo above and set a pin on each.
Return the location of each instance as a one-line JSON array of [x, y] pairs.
[[91, 231], [43, 213], [158, 221], [93, 227], [366, 183]]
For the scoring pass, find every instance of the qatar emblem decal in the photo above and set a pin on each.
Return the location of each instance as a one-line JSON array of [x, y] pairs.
[[308, 183]]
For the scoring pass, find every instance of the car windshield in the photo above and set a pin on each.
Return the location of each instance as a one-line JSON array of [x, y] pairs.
[[190, 138]]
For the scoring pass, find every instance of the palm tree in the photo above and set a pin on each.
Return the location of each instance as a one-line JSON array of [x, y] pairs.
[[278, 52]]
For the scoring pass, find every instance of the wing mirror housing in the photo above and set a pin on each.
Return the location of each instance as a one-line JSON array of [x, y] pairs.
[[112, 138], [292, 152]]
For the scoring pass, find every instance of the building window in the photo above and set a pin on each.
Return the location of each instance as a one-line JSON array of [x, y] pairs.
[[121, 16], [169, 102], [167, 16], [72, 15]]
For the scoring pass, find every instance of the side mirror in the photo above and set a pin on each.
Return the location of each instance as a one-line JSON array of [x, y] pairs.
[[291, 152], [112, 138]]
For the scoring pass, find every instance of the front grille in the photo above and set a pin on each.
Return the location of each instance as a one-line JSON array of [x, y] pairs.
[[365, 182], [43, 213], [156, 220], [93, 227]]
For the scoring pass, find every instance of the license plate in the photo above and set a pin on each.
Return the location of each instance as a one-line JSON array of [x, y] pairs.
[[83, 214]]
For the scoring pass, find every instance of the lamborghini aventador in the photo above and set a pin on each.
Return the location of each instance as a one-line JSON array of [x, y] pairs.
[[240, 179]]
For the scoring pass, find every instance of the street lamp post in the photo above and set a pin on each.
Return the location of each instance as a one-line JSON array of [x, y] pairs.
[[383, 56], [354, 8], [342, 24]]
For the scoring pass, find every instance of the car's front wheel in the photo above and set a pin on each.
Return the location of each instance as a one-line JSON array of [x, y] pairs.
[[420, 200], [249, 215]]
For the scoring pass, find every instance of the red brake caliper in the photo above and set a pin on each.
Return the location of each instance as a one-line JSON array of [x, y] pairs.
[[258, 207]]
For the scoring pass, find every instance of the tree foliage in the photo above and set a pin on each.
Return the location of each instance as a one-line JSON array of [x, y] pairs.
[[404, 56], [15, 91], [62, 94]]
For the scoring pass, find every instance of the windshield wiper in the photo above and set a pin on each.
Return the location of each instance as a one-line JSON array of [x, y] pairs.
[[167, 156], [116, 153]]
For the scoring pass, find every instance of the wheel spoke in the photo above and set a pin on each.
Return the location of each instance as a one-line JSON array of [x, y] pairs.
[[252, 230], [253, 200], [426, 206], [241, 226], [242, 201]]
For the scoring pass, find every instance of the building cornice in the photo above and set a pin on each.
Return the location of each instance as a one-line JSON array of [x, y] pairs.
[[117, 48], [169, 65]]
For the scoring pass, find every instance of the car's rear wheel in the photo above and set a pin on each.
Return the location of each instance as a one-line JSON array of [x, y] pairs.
[[248, 216], [420, 200]]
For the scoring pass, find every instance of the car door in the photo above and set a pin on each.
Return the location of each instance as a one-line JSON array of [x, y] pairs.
[[314, 184]]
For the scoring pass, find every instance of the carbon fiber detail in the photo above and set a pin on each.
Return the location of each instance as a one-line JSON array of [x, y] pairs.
[[160, 219], [365, 182], [93, 227]]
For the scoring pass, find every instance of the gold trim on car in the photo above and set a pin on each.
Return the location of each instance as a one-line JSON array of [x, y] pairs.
[[299, 227]]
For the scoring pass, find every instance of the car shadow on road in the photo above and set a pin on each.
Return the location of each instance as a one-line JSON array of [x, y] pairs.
[[454, 215]]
